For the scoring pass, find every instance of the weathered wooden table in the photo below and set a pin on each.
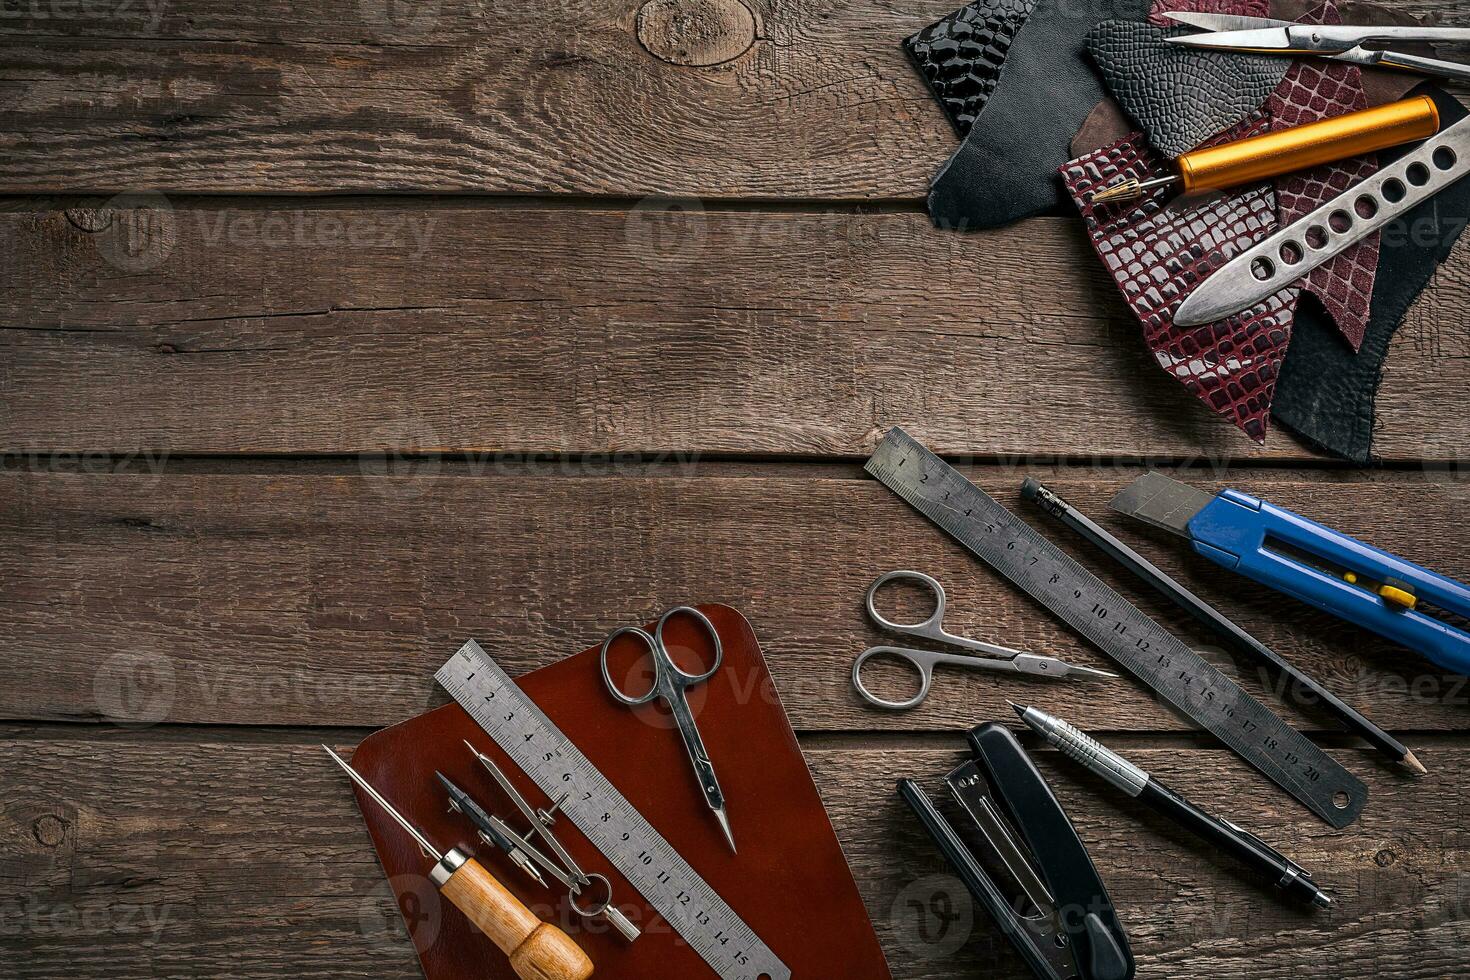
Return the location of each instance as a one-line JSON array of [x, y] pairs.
[[417, 321]]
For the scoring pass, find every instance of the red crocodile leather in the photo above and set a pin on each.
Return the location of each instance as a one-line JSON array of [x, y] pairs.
[[1318, 89], [1247, 8], [1159, 251]]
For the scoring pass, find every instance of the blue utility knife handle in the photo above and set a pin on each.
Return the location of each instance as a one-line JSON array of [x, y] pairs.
[[1234, 530]]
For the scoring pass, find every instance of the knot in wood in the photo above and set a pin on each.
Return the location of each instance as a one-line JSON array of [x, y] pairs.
[[49, 830], [696, 33]]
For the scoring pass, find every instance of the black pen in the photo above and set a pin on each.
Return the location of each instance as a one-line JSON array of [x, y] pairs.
[[1092, 754], [1242, 641]]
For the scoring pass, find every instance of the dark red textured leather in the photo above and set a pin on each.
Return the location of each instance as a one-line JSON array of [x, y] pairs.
[[789, 881], [1313, 90], [1161, 248]]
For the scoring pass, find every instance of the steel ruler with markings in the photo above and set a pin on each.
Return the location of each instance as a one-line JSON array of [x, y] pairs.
[[1156, 657], [613, 825]]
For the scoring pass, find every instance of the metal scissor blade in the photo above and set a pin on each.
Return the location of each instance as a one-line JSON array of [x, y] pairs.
[[1225, 22], [1272, 40]]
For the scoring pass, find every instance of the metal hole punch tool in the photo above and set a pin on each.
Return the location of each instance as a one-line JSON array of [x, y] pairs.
[[568, 872], [671, 684], [1283, 258], [537, 950], [1358, 45], [986, 656], [1052, 906]]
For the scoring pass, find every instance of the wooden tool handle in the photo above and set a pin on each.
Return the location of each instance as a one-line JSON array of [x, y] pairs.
[[537, 950], [1303, 147]]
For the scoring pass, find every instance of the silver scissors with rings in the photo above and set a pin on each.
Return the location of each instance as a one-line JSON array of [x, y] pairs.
[[990, 656], [670, 684]]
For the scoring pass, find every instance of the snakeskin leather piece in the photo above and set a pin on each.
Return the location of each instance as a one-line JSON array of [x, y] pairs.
[[1158, 254], [961, 56], [1313, 90]]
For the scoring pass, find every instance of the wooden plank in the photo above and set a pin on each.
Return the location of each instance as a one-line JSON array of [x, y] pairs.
[[216, 329], [330, 600], [707, 98], [171, 858]]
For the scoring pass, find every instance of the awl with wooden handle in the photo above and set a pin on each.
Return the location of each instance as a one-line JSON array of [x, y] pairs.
[[537, 950], [1288, 151]]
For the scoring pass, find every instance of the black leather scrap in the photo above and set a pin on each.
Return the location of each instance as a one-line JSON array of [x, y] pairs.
[[1180, 96], [1007, 167]]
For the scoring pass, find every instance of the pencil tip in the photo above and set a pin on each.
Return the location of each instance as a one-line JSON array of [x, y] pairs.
[[1016, 707], [1411, 763]]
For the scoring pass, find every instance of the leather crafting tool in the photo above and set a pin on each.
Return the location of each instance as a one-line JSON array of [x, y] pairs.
[[1286, 151], [1324, 568], [1339, 42], [1061, 919], [761, 765], [988, 655], [1157, 658], [621, 834], [671, 685], [1239, 639], [1290, 253], [1285, 874], [1181, 97], [537, 950], [527, 856]]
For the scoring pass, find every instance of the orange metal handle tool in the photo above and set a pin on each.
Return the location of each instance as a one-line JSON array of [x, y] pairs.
[[1303, 147]]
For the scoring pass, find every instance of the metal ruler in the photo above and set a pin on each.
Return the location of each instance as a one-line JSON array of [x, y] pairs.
[[610, 822], [1178, 675]]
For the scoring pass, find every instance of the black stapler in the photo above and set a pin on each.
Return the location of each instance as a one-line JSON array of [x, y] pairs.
[[1058, 914]]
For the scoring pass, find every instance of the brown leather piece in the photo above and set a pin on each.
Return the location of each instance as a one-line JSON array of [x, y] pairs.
[[789, 882]]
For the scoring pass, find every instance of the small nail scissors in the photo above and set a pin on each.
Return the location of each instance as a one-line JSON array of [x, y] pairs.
[[991, 657], [670, 684]]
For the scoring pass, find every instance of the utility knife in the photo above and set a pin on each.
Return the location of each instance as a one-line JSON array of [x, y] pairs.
[[1338, 574]]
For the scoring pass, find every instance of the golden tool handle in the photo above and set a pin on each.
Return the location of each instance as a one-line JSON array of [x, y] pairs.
[[537, 950], [1303, 147]]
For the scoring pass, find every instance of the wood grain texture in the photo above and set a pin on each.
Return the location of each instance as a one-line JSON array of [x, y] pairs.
[[145, 859], [710, 98], [278, 329], [293, 600]]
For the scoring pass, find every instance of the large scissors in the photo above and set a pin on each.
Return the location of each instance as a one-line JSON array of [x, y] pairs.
[[991, 657], [670, 684]]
